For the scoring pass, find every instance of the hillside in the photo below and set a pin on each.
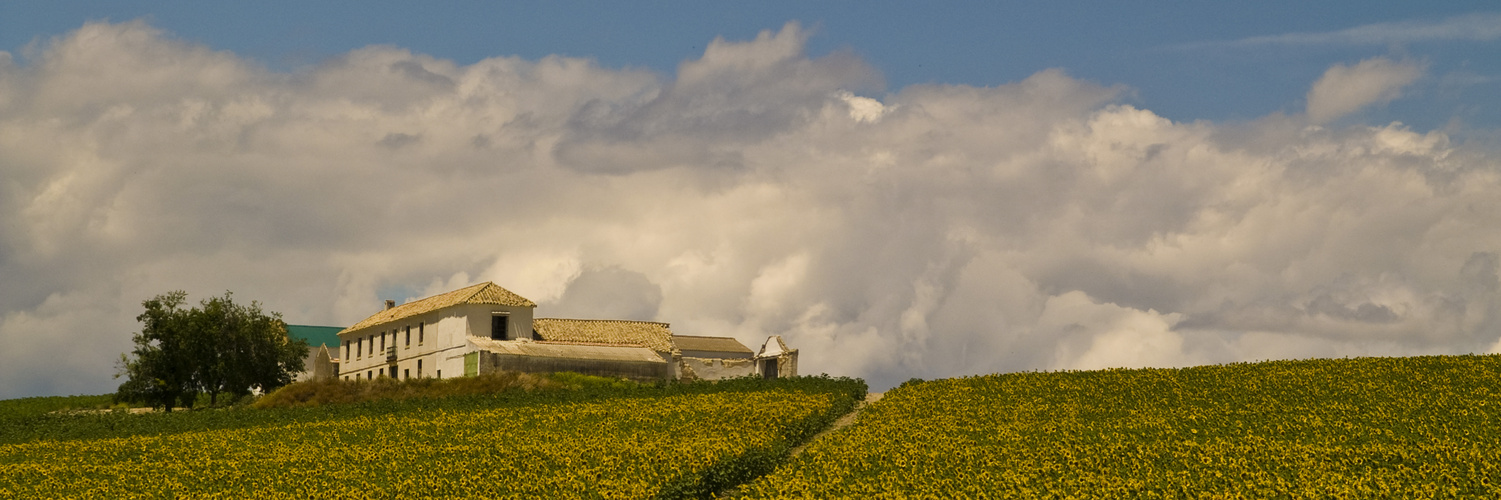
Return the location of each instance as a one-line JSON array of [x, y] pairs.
[[1358, 428], [613, 441], [1372, 427]]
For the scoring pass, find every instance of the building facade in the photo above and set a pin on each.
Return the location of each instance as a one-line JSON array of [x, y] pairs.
[[484, 327], [322, 361]]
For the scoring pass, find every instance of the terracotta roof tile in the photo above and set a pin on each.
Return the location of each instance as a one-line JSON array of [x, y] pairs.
[[719, 344], [483, 293], [652, 335]]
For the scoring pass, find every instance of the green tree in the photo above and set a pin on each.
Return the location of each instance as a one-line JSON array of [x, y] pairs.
[[218, 348], [243, 348], [162, 373]]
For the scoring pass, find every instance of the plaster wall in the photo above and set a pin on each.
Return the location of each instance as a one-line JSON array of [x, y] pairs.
[[520, 319], [634, 370], [719, 368], [435, 337]]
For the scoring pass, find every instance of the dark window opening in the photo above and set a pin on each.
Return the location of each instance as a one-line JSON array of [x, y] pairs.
[[769, 368], [360, 344], [419, 368], [393, 372], [409, 337], [419, 337], [498, 328], [406, 374]]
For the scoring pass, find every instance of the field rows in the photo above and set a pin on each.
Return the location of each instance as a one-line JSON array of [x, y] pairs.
[[1374, 428], [615, 448]]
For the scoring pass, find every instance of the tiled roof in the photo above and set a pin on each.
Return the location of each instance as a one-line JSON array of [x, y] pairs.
[[717, 344], [652, 335], [483, 293]]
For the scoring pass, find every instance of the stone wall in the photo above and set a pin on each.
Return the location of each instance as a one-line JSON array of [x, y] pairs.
[[633, 370], [718, 368]]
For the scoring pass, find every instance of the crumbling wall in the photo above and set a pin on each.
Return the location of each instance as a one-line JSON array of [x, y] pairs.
[[787, 364], [633, 370], [717, 368]]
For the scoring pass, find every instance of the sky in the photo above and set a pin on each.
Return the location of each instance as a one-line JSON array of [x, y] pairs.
[[899, 191]]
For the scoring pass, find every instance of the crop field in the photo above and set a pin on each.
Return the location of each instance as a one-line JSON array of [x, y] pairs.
[[1420, 427], [643, 443]]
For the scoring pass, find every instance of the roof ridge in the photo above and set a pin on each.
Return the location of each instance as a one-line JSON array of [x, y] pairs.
[[464, 295], [608, 320], [433, 296], [581, 342], [478, 287]]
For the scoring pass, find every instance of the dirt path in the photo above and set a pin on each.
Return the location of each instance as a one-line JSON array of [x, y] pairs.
[[842, 422]]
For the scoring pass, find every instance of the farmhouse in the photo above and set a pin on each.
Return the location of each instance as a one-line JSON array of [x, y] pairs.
[[483, 328], [322, 361]]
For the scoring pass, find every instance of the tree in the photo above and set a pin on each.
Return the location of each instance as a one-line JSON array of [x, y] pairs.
[[242, 348], [218, 348], [162, 373]]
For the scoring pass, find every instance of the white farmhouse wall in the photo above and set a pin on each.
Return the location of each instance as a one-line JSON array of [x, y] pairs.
[[719, 368], [479, 319]]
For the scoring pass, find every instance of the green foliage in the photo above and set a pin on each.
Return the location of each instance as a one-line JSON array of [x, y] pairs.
[[584, 437], [1418, 427], [758, 461], [162, 373], [14, 410], [218, 348], [335, 391]]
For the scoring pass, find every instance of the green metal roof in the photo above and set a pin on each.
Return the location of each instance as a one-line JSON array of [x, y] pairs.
[[316, 335]]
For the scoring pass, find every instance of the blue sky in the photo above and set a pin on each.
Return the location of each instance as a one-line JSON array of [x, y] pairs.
[[1179, 57], [899, 190]]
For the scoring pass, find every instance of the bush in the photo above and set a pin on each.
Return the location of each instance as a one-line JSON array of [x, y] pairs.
[[335, 391]]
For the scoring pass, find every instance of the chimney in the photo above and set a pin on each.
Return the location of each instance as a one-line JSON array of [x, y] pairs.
[[390, 303]]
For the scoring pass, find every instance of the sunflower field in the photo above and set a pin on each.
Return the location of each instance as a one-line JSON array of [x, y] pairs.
[[1421, 427], [641, 443]]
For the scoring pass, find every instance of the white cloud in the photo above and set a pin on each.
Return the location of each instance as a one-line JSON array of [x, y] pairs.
[[1111, 336], [1479, 27], [935, 231], [1344, 89]]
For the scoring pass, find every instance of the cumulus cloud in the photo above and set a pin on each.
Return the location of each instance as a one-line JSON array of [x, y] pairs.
[[1344, 89], [936, 230], [608, 293]]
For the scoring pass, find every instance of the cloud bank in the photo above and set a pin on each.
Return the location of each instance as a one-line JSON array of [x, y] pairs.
[[928, 232]]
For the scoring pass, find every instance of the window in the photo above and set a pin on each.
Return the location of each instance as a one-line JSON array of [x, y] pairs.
[[409, 336], [419, 339], [406, 374], [440, 373], [360, 347], [382, 341], [346, 353], [370, 374], [419, 364], [498, 327]]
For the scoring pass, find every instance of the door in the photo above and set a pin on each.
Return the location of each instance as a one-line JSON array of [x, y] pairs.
[[769, 368]]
